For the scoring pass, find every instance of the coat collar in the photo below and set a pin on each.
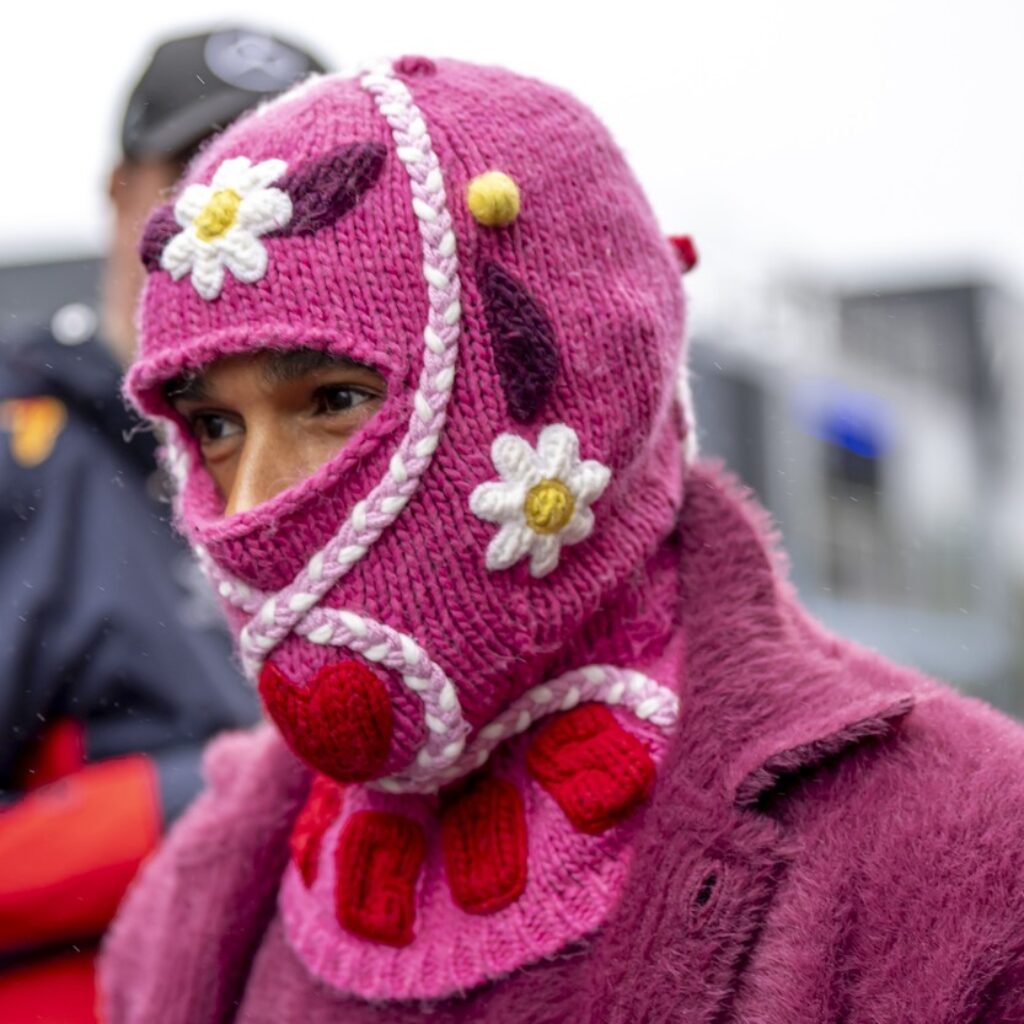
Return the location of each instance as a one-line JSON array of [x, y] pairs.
[[767, 691]]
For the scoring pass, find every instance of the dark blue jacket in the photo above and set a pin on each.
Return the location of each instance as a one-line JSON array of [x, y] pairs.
[[104, 619]]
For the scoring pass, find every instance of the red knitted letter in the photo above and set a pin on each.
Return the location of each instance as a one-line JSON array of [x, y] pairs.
[[317, 816], [378, 861], [483, 835], [596, 770]]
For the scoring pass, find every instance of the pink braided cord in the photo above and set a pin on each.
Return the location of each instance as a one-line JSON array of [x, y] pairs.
[[442, 713], [605, 684], [282, 612]]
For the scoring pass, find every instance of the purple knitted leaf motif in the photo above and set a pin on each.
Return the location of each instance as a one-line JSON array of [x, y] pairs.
[[525, 352], [160, 229], [323, 190]]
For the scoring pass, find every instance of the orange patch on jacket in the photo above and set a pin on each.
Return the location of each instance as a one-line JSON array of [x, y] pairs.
[[34, 425]]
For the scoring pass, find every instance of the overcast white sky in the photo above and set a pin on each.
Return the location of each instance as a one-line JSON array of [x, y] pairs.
[[839, 137]]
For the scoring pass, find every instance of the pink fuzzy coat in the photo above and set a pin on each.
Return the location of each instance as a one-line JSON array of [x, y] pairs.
[[832, 839]]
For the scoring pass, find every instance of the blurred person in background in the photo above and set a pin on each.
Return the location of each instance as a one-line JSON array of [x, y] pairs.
[[114, 664]]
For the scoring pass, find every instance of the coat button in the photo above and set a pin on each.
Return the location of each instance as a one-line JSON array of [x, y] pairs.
[[705, 888]]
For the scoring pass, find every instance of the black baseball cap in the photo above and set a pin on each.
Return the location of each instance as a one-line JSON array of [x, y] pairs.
[[196, 85]]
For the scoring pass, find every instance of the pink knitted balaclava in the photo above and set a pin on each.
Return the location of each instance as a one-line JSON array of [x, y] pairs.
[[463, 622]]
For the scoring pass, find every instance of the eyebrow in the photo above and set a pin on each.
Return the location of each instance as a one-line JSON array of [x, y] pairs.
[[284, 367], [279, 368]]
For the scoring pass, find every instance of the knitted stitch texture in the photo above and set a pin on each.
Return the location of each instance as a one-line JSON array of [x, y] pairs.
[[476, 559]]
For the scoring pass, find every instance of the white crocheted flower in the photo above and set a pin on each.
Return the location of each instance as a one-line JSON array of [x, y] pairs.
[[222, 223], [542, 500]]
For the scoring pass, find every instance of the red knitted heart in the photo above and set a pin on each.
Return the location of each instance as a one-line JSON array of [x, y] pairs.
[[340, 724]]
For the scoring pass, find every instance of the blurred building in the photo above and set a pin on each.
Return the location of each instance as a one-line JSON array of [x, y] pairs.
[[882, 428]]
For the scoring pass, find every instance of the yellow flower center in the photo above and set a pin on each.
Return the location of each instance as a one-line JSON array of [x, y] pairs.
[[218, 215], [549, 506]]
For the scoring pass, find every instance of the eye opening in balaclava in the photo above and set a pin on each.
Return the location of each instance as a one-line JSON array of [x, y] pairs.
[[308, 404], [206, 503]]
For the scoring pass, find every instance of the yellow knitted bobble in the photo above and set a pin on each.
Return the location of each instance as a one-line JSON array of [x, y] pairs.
[[493, 199]]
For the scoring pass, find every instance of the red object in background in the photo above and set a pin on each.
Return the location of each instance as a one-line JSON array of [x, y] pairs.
[[686, 251], [58, 990], [60, 751], [69, 850], [596, 770]]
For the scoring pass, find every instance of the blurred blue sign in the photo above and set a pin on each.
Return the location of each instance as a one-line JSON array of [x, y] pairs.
[[857, 421]]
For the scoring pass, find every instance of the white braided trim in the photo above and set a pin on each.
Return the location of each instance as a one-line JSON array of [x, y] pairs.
[[295, 608], [371, 516], [175, 459], [275, 616], [442, 712], [605, 684]]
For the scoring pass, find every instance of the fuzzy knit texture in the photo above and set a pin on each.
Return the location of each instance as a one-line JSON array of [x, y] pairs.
[[831, 838]]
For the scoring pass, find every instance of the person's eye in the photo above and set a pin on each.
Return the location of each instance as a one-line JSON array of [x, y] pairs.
[[211, 427], [338, 398]]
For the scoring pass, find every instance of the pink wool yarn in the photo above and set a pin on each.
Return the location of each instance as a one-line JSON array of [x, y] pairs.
[[493, 544]]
